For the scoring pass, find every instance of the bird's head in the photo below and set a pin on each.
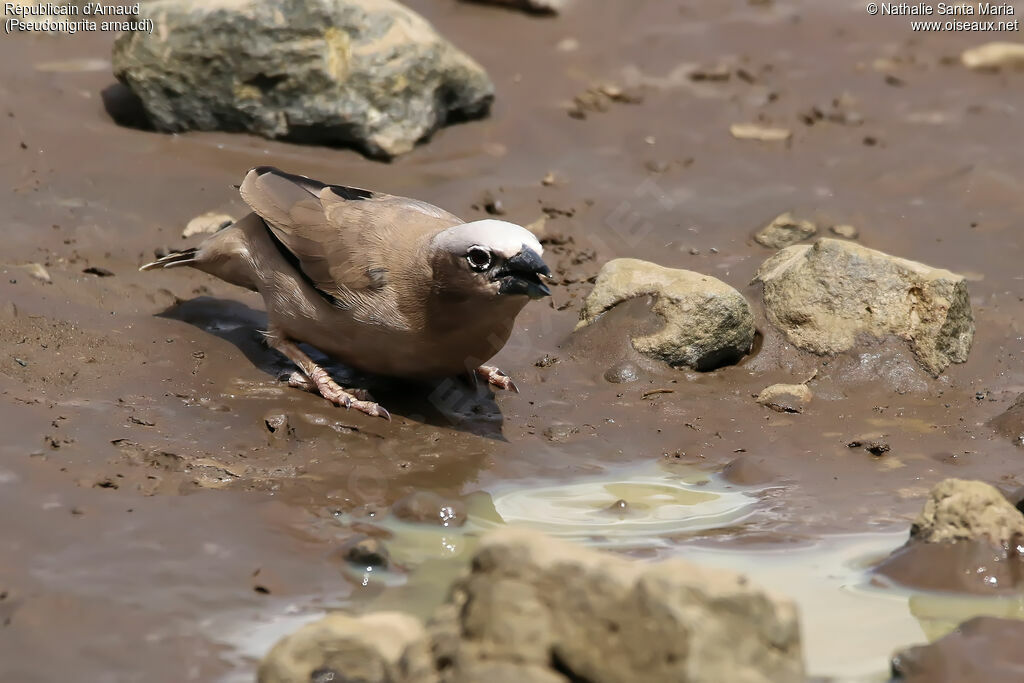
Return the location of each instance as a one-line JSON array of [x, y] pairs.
[[490, 257]]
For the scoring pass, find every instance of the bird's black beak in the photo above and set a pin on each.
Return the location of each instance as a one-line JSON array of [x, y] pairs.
[[521, 275]]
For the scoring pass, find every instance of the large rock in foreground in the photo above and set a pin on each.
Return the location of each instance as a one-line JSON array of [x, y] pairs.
[[596, 617], [367, 73], [832, 296], [707, 323], [966, 539], [535, 610]]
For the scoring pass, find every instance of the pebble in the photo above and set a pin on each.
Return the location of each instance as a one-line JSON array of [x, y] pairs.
[[365, 551], [430, 508], [845, 231], [622, 373], [40, 273]]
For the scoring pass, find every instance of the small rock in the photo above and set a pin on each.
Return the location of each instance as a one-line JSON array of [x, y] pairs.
[[834, 295], [39, 272], [708, 324], [368, 648], [959, 509], [657, 166], [783, 231], [207, 223], [718, 72], [994, 56], [98, 271], [538, 227], [619, 508], [548, 7], [872, 447], [981, 650], [967, 539], [547, 361], [621, 373], [548, 179], [493, 206], [276, 423], [568, 45], [561, 432], [786, 398], [366, 551], [429, 508], [845, 231], [753, 131], [749, 470]]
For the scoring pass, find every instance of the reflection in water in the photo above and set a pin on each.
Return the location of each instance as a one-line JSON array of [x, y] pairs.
[[851, 625]]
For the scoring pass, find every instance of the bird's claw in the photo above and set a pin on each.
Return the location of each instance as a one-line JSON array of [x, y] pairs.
[[360, 399], [497, 378]]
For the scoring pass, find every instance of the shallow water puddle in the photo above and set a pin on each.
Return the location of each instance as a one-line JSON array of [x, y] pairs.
[[850, 626], [639, 509]]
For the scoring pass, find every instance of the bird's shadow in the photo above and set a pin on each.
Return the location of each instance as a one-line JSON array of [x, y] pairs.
[[450, 402]]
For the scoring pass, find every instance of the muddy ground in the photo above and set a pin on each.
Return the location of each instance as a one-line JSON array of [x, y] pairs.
[[148, 485]]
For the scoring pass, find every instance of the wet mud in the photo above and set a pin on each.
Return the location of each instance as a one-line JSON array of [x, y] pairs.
[[157, 479]]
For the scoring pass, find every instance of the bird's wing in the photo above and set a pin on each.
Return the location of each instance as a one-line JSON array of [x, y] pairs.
[[349, 243]]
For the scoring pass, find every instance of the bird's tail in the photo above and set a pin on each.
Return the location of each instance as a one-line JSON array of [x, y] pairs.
[[173, 260]]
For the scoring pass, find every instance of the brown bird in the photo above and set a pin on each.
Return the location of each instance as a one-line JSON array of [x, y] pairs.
[[385, 284]]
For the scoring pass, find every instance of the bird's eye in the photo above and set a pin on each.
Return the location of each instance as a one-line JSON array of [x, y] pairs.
[[479, 258]]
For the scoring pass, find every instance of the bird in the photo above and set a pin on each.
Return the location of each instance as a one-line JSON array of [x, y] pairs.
[[384, 284]]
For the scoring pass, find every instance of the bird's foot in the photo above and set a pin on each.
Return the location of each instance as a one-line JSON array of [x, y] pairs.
[[497, 378], [298, 380], [319, 382]]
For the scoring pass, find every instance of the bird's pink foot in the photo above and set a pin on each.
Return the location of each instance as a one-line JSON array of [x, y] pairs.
[[315, 379], [298, 380], [497, 378], [359, 399]]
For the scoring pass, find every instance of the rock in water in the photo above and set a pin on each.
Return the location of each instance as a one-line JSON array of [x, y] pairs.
[[984, 649], [530, 6], [966, 539], [828, 297], [707, 323], [367, 73], [962, 510]]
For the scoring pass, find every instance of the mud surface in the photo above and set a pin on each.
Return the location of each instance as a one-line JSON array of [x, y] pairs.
[[155, 476]]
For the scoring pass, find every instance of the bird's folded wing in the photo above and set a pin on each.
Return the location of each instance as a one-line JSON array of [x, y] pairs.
[[346, 241]]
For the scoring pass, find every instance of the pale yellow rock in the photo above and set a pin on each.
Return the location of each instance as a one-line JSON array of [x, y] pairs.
[[960, 510], [39, 272], [993, 55], [707, 322], [833, 296], [785, 230], [369, 648], [755, 131], [207, 223], [786, 398]]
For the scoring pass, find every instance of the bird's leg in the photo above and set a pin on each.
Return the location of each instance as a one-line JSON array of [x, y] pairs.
[[497, 378], [323, 384]]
